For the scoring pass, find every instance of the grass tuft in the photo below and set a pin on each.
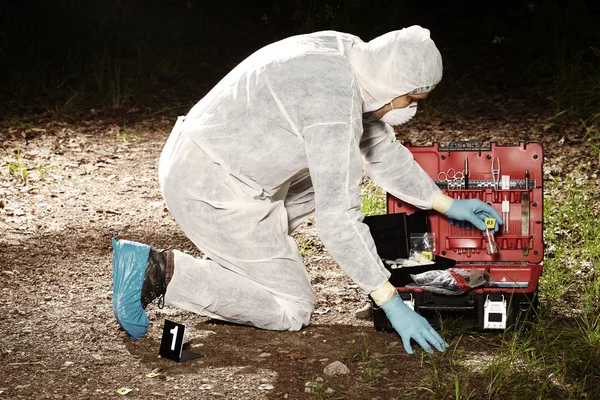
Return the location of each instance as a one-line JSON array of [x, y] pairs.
[[373, 198], [17, 168]]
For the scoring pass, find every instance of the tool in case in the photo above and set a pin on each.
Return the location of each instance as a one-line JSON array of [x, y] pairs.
[[509, 178]]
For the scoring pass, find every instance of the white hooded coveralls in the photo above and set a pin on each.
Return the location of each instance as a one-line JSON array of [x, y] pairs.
[[281, 136]]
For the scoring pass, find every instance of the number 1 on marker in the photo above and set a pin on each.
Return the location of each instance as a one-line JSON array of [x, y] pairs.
[[174, 332]]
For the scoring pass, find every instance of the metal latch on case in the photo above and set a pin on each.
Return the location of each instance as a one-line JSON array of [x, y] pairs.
[[410, 301], [494, 312]]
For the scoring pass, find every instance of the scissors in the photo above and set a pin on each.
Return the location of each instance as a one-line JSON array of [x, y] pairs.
[[450, 175]]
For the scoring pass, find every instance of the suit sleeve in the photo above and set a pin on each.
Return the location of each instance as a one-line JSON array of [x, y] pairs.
[[335, 165], [393, 167]]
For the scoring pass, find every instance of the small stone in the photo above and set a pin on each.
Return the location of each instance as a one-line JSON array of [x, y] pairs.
[[205, 386], [336, 368], [47, 298], [365, 312], [68, 363], [39, 270], [266, 386], [264, 355], [96, 356]]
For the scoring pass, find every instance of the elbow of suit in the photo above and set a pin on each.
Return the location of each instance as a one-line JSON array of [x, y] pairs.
[[330, 225]]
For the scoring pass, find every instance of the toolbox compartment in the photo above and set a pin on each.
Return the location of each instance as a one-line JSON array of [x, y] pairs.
[[516, 267]]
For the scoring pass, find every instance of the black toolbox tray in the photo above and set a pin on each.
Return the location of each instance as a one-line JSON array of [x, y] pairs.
[[516, 268]]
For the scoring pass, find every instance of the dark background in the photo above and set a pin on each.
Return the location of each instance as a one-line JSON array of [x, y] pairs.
[[63, 57]]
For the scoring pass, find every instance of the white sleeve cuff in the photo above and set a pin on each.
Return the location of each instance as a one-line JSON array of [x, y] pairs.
[[441, 203], [383, 294]]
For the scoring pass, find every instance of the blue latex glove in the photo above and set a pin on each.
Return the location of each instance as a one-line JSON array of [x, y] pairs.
[[409, 325], [473, 211]]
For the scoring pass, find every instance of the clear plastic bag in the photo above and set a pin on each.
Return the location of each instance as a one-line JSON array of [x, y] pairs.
[[453, 281], [422, 246]]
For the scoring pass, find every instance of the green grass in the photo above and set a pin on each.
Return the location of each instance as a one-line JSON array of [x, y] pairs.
[[361, 353], [17, 168], [126, 135], [65, 109], [308, 246], [373, 198], [573, 253], [320, 390]]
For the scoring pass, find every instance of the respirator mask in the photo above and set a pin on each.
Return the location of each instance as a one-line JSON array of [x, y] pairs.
[[399, 116]]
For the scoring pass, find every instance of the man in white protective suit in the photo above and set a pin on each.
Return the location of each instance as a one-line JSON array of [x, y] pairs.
[[286, 133]]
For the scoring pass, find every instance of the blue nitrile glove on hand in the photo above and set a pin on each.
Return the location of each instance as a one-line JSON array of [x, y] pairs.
[[409, 325], [473, 211]]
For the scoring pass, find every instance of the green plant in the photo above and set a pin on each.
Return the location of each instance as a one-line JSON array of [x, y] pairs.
[[42, 170], [126, 135], [20, 123], [17, 168], [373, 200], [355, 352], [307, 246], [571, 229], [362, 354], [111, 83], [65, 109], [372, 371], [457, 390], [320, 390]]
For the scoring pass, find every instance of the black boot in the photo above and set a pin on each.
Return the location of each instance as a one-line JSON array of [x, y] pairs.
[[155, 284]]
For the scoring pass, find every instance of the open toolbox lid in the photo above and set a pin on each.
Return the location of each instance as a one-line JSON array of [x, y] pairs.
[[516, 182]]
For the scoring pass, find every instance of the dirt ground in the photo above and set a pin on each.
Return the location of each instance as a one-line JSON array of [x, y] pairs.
[[95, 178]]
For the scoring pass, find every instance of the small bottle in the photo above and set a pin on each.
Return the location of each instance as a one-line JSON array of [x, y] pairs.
[[491, 246]]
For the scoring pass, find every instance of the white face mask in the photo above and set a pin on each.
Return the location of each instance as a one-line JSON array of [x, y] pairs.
[[399, 116]]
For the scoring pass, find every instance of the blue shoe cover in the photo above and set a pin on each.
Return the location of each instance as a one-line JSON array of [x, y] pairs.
[[129, 268]]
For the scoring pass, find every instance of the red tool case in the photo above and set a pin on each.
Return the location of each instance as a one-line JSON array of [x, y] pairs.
[[515, 178]]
